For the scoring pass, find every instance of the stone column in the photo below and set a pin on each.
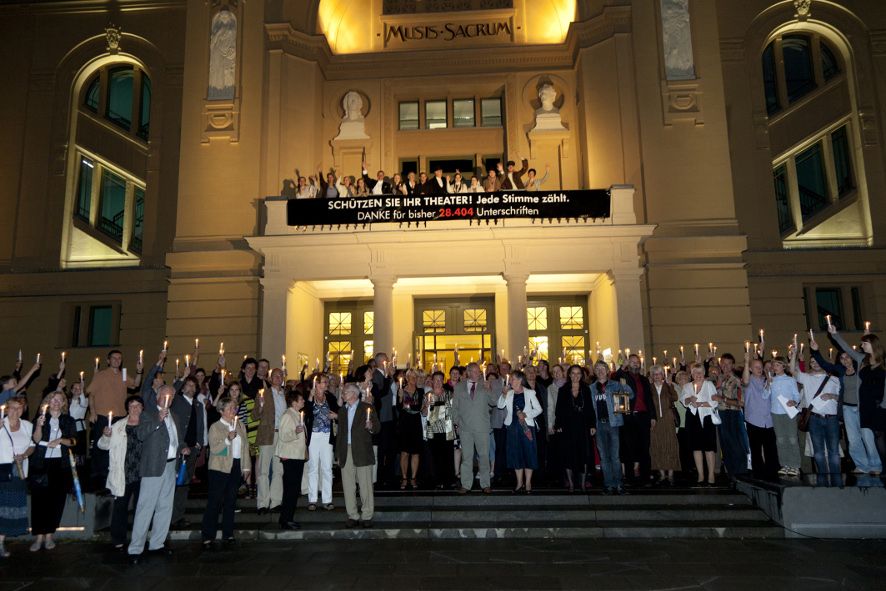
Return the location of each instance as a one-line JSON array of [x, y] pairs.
[[275, 293], [629, 307], [383, 307], [518, 329]]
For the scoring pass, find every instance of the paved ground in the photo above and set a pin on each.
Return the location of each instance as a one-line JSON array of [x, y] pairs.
[[760, 565]]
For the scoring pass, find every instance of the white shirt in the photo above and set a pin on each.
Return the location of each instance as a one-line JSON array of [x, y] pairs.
[[172, 451], [54, 433], [811, 383], [234, 443], [279, 406], [78, 407], [21, 441], [658, 390], [708, 389]]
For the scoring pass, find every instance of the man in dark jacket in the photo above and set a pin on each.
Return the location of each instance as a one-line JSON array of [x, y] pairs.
[[353, 448], [635, 435]]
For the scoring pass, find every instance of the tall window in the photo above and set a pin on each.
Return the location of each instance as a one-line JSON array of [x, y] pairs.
[[490, 112], [409, 115], [794, 65], [557, 328], [463, 113], [435, 114], [843, 303], [121, 93], [93, 324], [349, 326]]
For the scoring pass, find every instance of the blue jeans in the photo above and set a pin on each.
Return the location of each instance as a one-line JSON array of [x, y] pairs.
[[862, 445], [825, 433], [607, 445], [732, 438]]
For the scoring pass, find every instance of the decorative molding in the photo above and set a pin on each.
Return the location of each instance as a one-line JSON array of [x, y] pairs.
[[676, 36], [732, 50], [221, 120], [803, 8], [681, 101], [878, 42], [113, 34]]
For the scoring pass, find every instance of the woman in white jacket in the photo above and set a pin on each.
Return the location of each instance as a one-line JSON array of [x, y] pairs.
[[697, 397], [123, 471], [521, 407]]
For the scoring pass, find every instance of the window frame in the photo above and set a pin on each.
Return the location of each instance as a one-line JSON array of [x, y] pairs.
[[473, 123], [835, 200], [852, 303], [135, 129], [400, 119], [783, 104], [501, 111], [77, 331], [427, 121]]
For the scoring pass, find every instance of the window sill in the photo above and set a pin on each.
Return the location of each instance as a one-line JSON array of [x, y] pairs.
[[112, 127], [100, 236]]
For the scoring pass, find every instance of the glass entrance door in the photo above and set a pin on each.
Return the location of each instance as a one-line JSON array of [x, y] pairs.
[[454, 332], [446, 351]]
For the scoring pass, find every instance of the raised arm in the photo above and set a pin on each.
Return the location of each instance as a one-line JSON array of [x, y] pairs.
[[857, 356]]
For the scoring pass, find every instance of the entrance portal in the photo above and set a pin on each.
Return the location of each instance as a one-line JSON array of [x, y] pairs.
[[454, 332]]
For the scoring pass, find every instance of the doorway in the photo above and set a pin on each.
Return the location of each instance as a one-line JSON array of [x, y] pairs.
[[454, 332]]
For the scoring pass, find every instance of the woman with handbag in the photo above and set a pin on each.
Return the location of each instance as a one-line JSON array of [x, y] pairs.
[[441, 430], [697, 396], [521, 407], [664, 448], [228, 461], [50, 477], [820, 395], [124, 458], [15, 447]]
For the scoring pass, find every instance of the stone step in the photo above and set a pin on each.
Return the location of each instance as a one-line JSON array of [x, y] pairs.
[[486, 530], [505, 515]]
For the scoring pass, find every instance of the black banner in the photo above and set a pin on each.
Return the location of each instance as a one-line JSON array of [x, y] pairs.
[[379, 209]]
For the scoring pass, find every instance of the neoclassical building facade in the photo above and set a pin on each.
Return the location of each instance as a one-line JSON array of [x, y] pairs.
[[147, 142]]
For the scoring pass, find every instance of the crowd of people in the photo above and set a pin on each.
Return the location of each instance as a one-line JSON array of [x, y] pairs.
[[503, 177], [261, 434]]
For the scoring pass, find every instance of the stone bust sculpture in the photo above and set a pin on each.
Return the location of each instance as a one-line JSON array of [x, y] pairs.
[[352, 104], [547, 95]]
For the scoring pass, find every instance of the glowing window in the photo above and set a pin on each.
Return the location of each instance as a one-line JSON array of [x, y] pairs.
[[537, 318], [435, 114], [340, 323], [368, 322], [433, 320], [574, 349], [540, 346], [571, 317], [475, 320]]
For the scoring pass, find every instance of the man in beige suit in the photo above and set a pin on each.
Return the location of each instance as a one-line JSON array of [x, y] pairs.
[[357, 423], [471, 403]]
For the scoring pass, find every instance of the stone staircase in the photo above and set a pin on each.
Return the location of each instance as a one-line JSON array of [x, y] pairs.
[[676, 513]]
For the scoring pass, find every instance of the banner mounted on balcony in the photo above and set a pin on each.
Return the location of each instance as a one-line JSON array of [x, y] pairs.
[[379, 209]]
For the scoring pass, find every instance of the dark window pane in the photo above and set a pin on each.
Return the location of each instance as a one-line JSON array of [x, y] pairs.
[[798, 73], [829, 301], [842, 161], [93, 94], [408, 115], [113, 203], [75, 332], [120, 96], [811, 181], [490, 162], [857, 312], [770, 80], [463, 113], [435, 114], [830, 67], [450, 165], [782, 201], [138, 219], [84, 189], [100, 323], [490, 112], [144, 119], [407, 166]]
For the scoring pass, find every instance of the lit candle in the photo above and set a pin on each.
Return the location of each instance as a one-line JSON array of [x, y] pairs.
[[681, 352], [665, 354], [502, 355], [261, 397], [81, 379], [177, 364], [828, 319], [802, 346], [559, 360], [187, 361], [165, 346], [223, 376], [38, 358], [811, 336], [368, 415], [196, 343], [44, 409], [141, 355], [19, 355], [747, 346], [674, 361], [654, 360], [2, 412], [221, 348], [761, 335], [283, 360], [96, 364], [710, 347], [168, 400], [400, 379], [627, 352], [63, 356], [317, 364], [234, 424], [341, 375], [696, 350], [110, 417], [123, 374], [301, 417], [867, 326], [831, 353]]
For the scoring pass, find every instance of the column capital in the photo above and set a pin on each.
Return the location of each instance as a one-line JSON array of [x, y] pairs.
[[380, 279], [516, 277]]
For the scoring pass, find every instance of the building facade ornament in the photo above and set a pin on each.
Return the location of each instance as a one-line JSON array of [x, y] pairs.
[[113, 33], [803, 8], [547, 116], [352, 125], [676, 35]]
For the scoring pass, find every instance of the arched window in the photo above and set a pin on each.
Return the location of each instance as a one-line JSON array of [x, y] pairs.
[[121, 93], [795, 64], [110, 137], [812, 129]]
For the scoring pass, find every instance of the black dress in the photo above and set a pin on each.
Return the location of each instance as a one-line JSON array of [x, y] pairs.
[[409, 431], [575, 416]]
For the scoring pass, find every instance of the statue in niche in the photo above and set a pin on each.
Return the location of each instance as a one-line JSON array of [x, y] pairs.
[[222, 56], [353, 122], [677, 40], [353, 106], [547, 117]]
